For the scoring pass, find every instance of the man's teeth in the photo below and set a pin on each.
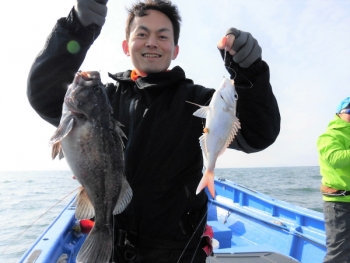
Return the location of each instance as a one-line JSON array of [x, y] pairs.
[[151, 55]]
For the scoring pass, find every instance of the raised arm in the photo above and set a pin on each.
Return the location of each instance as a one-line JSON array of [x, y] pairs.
[[63, 53], [257, 108]]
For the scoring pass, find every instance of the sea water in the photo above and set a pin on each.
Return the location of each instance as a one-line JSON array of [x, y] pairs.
[[29, 201]]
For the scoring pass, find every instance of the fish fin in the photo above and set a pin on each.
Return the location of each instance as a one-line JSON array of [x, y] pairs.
[[84, 209], [117, 128], [97, 246], [207, 181], [202, 112], [202, 143], [194, 103], [63, 129], [124, 198], [56, 150], [235, 127], [119, 131], [61, 155]]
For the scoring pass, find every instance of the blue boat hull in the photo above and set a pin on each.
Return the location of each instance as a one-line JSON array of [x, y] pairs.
[[247, 224], [261, 223]]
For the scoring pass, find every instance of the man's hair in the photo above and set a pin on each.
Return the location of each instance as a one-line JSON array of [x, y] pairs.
[[164, 6]]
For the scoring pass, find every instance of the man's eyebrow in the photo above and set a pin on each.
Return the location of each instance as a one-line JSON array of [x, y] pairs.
[[142, 28], [159, 30], [163, 30]]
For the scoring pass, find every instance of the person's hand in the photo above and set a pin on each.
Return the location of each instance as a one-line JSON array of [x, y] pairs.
[[91, 12], [242, 48]]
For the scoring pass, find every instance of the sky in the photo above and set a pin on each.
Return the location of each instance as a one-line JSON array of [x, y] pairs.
[[306, 44]]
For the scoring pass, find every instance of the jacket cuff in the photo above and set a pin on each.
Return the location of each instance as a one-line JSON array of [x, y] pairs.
[[71, 23], [253, 71], [244, 77]]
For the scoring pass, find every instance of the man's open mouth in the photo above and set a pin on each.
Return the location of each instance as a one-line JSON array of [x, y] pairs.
[[147, 55]]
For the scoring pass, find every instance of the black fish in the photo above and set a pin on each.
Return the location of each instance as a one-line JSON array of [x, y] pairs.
[[91, 141]]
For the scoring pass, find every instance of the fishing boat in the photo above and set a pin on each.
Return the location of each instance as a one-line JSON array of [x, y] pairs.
[[248, 226]]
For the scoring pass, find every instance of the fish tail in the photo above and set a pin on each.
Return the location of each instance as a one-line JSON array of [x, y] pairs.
[[124, 198], [97, 247], [207, 181]]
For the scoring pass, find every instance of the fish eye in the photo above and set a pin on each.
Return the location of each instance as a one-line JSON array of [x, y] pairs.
[[97, 89]]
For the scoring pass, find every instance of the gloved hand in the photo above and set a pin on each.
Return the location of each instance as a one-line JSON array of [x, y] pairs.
[[91, 12], [241, 46]]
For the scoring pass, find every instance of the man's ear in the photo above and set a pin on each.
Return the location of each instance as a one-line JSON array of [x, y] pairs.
[[126, 48], [176, 52]]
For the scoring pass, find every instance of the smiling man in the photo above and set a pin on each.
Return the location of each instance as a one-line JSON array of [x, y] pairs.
[[165, 220], [150, 43]]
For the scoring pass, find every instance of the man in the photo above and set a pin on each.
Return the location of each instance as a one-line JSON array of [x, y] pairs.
[[163, 161], [334, 159]]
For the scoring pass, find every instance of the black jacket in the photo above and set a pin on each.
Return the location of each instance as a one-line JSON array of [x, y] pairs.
[[163, 159]]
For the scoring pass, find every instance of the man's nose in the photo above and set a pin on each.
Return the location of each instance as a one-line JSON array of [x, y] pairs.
[[152, 42]]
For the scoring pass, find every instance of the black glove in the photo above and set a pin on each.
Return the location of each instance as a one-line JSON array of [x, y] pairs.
[[91, 12], [245, 46]]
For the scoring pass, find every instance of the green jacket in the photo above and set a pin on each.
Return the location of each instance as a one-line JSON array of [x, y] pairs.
[[334, 157]]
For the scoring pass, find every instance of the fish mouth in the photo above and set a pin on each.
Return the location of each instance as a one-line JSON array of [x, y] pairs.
[[86, 76], [151, 55], [89, 75]]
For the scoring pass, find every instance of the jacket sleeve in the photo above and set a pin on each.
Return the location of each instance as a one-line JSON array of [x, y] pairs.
[[332, 151], [55, 66], [257, 108]]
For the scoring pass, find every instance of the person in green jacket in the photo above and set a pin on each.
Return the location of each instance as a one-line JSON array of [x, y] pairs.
[[334, 159]]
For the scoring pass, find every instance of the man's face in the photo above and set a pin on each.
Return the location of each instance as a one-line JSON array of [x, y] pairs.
[[344, 116], [151, 43]]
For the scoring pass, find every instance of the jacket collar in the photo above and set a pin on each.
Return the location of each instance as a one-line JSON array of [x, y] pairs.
[[152, 80], [338, 123]]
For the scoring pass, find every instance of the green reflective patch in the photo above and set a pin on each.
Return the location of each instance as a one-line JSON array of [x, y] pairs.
[[73, 47]]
